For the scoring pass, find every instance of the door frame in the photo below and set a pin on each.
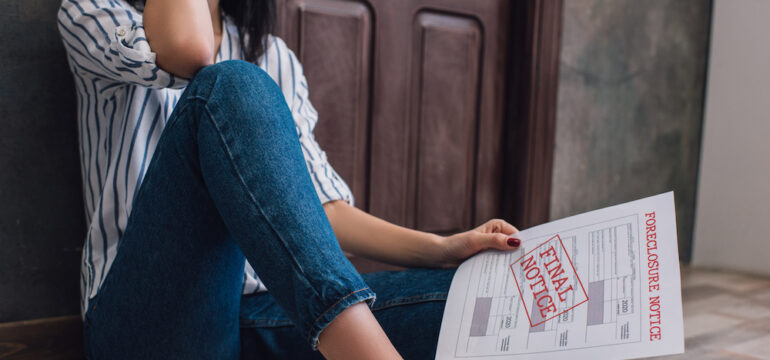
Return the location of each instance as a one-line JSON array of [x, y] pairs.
[[533, 80]]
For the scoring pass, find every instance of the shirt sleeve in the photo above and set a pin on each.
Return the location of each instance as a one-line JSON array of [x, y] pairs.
[[106, 39], [284, 67]]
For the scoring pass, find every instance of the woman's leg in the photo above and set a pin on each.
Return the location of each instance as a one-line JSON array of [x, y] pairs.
[[409, 307], [227, 179]]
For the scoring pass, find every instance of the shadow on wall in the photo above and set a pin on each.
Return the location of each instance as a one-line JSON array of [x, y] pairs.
[[630, 106], [42, 221]]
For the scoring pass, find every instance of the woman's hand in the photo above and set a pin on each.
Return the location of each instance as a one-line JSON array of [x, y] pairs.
[[494, 234], [368, 236]]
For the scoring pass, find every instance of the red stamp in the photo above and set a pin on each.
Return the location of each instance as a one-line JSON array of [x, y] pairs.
[[547, 281]]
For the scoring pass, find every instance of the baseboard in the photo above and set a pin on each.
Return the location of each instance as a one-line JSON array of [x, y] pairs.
[[57, 338]]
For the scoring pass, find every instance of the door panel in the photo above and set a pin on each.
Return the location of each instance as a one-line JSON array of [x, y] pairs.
[[414, 96], [444, 117], [339, 80], [411, 98], [394, 193]]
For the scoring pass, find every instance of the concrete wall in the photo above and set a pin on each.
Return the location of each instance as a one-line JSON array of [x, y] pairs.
[[630, 105], [41, 212], [732, 218]]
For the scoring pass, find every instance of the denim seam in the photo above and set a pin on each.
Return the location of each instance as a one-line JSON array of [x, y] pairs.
[[412, 300], [198, 97], [254, 201], [310, 333], [186, 161], [266, 322]]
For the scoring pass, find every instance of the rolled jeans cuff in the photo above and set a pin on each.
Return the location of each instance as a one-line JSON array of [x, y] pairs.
[[331, 312]]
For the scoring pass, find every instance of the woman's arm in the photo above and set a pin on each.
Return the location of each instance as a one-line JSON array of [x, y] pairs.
[[368, 236], [181, 33]]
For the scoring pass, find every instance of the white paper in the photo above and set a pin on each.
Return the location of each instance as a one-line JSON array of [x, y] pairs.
[[625, 260]]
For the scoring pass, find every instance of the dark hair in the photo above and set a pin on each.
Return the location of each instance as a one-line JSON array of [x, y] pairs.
[[254, 18]]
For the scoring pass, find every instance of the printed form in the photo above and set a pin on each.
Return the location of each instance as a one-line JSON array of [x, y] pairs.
[[603, 284]]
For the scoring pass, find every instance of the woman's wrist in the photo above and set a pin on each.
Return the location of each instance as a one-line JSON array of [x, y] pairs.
[[432, 249]]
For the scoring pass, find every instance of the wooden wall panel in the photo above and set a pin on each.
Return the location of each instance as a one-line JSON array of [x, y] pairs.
[[387, 77], [393, 190], [339, 80], [444, 115]]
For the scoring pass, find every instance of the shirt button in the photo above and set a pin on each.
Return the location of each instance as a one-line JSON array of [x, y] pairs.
[[121, 32]]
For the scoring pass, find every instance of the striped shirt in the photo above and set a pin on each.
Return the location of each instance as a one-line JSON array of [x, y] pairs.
[[124, 100]]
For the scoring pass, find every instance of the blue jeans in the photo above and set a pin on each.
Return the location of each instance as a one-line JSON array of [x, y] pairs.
[[228, 182], [409, 308]]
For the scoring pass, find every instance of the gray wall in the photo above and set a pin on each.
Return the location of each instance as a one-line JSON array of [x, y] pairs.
[[733, 196], [630, 105], [41, 212]]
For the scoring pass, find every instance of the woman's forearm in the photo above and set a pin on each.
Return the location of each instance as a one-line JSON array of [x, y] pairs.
[[368, 236], [181, 34]]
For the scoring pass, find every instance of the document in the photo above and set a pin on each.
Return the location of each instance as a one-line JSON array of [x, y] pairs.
[[599, 285]]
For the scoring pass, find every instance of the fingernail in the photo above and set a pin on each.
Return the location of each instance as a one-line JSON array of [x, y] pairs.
[[514, 242]]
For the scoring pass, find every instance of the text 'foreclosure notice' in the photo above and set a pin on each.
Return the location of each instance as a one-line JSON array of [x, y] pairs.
[[599, 285]]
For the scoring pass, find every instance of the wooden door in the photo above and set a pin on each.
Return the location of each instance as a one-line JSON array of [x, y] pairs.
[[410, 97], [421, 101]]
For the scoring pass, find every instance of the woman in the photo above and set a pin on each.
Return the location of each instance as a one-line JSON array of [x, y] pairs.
[[201, 172]]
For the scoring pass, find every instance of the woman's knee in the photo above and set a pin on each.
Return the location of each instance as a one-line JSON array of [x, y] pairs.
[[228, 70], [241, 87], [241, 83], [235, 75]]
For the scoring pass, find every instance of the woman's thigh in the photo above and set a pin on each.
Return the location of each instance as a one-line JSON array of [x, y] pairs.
[[409, 307], [174, 287]]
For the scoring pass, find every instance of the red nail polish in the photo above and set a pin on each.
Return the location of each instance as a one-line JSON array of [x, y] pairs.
[[514, 242]]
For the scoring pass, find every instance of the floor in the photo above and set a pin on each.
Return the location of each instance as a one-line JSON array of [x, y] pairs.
[[726, 315]]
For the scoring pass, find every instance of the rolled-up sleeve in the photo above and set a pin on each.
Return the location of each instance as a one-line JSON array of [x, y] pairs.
[[106, 39], [328, 183]]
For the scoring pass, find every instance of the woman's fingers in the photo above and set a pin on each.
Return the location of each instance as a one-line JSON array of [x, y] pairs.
[[497, 240], [508, 228], [499, 225]]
